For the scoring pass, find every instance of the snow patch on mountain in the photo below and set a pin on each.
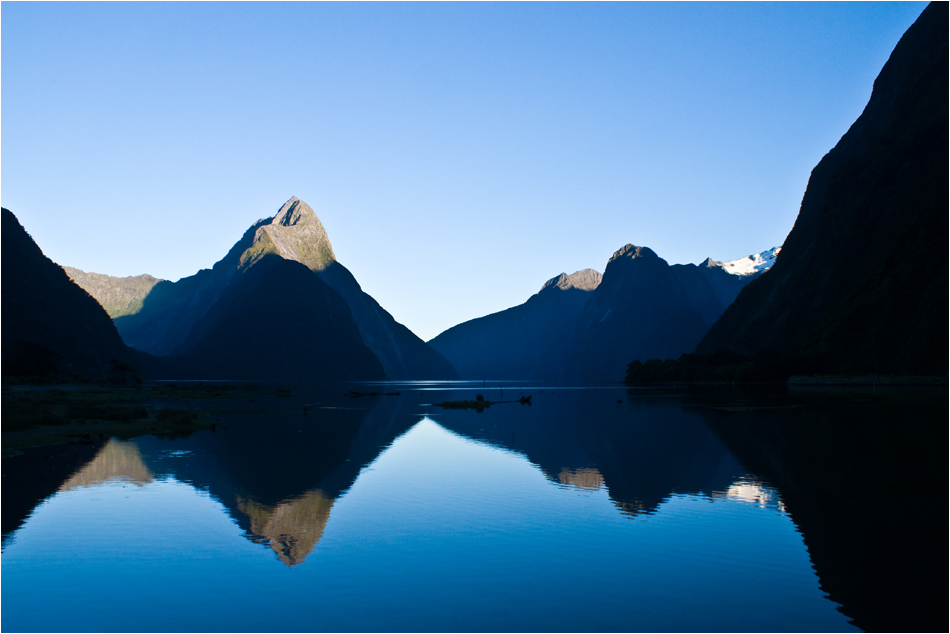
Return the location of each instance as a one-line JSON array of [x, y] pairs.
[[752, 264]]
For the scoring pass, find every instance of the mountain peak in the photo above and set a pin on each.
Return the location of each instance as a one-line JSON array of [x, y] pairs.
[[585, 280], [294, 212], [633, 252], [294, 233]]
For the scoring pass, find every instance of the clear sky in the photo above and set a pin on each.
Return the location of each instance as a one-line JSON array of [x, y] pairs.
[[459, 155]]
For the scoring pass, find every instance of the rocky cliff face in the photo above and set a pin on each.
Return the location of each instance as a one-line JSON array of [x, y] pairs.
[[295, 233], [881, 192], [117, 295]]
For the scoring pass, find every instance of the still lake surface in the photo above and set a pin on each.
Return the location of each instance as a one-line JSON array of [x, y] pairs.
[[591, 509]]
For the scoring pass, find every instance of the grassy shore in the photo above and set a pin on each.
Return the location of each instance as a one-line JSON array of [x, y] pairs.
[[34, 416]]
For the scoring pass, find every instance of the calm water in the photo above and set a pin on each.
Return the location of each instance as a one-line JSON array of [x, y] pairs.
[[594, 509]]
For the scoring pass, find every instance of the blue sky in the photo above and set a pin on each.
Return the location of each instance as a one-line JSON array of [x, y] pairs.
[[459, 155]]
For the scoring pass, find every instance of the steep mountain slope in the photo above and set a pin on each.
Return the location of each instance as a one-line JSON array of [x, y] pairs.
[[50, 325], [528, 341], [403, 354], [881, 192], [277, 320], [118, 295], [172, 310]]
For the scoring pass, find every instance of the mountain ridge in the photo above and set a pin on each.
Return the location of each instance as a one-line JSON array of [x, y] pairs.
[[117, 295], [554, 334], [585, 280]]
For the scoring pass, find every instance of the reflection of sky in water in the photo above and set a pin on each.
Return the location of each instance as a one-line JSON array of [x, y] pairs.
[[438, 533]]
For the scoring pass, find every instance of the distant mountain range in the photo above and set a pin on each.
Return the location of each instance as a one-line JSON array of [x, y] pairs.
[[586, 326], [118, 295], [861, 284], [279, 305]]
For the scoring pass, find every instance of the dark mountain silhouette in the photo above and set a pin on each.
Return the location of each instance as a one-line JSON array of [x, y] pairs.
[[524, 342], [52, 327], [644, 308], [882, 193], [173, 309], [712, 286], [586, 326], [276, 320]]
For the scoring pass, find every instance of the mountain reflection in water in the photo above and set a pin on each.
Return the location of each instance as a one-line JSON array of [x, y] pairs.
[[282, 473], [590, 479], [117, 460], [754, 492], [291, 528]]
